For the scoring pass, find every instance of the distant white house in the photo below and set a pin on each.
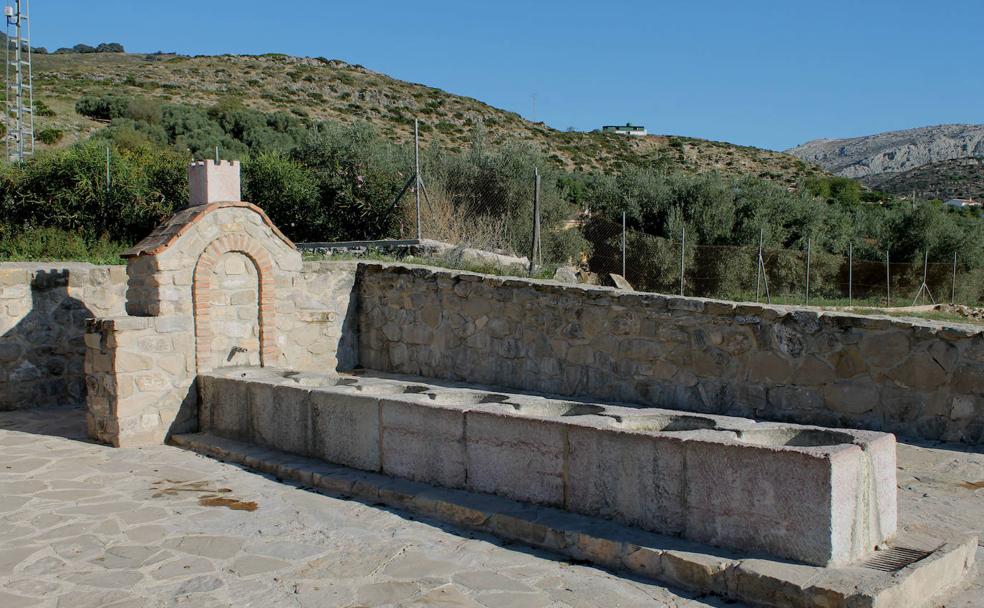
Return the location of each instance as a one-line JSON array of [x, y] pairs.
[[962, 203], [626, 129]]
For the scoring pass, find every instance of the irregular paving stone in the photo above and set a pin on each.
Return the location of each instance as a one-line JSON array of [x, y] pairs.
[[218, 547], [10, 558], [414, 566], [129, 557], [392, 592], [182, 568], [445, 596], [286, 550], [109, 580], [146, 534], [489, 581], [513, 600], [9, 600], [200, 584], [249, 565], [357, 542]]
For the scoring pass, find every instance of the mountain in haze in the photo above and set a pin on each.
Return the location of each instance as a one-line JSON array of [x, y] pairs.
[[875, 157], [325, 89]]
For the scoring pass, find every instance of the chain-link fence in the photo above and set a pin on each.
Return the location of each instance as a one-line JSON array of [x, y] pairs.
[[784, 276], [510, 204]]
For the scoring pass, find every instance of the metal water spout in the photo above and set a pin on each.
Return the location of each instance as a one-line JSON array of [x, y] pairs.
[[235, 351]]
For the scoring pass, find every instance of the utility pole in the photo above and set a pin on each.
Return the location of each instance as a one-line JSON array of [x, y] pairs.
[[19, 90]]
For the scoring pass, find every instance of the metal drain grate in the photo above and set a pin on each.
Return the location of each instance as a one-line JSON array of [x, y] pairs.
[[894, 559]]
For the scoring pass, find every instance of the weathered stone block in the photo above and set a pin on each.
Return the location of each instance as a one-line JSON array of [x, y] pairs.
[[226, 407], [346, 429], [423, 442], [519, 458], [280, 417], [632, 478]]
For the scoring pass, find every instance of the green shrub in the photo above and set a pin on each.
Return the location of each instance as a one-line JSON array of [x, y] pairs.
[[55, 244], [42, 109], [50, 136], [106, 107], [68, 189], [287, 192]]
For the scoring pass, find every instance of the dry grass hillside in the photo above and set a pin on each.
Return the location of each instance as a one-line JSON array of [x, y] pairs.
[[335, 90]]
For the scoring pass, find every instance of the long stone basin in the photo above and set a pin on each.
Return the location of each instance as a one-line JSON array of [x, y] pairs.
[[814, 495]]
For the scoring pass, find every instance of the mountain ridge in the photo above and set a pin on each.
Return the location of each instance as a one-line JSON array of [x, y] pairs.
[[893, 151]]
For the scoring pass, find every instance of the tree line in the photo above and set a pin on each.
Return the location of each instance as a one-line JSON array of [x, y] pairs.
[[322, 181]]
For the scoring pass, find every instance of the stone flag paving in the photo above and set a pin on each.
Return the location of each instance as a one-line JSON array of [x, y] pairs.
[[87, 526]]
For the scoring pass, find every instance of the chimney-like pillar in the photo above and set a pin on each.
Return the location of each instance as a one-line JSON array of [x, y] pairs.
[[213, 182]]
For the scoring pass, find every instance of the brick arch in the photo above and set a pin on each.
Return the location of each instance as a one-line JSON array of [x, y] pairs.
[[202, 295]]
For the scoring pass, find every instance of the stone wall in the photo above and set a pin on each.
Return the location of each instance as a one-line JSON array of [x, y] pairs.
[[917, 380], [914, 379], [43, 308], [320, 319]]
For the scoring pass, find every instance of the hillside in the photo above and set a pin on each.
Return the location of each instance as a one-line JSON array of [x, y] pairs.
[[954, 178], [329, 89], [894, 151]]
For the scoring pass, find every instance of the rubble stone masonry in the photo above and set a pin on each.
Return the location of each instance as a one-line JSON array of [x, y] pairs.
[[777, 363], [43, 308], [920, 379]]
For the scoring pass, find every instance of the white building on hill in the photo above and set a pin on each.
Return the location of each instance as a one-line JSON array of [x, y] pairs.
[[626, 129]]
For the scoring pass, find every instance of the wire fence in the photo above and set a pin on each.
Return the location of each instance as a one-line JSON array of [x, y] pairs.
[[783, 276], [507, 209]]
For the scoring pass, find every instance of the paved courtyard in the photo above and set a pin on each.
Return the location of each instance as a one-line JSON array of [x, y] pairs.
[[85, 525]]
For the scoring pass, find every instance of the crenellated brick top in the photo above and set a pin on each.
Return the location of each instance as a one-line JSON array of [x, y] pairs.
[[168, 233]]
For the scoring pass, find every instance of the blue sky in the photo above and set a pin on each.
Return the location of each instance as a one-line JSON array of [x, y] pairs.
[[765, 73]]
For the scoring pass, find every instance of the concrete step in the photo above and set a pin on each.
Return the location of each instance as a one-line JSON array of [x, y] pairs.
[[889, 579]]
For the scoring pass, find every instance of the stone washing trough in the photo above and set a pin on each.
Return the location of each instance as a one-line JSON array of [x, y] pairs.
[[813, 495]]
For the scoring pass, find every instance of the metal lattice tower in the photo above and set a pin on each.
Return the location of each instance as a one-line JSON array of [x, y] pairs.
[[19, 92]]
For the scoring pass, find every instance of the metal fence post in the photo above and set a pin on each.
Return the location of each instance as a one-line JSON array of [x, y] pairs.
[[850, 274], [809, 252], [536, 256], [623, 244], [683, 255], [953, 281], [888, 277], [758, 265], [924, 286], [416, 164]]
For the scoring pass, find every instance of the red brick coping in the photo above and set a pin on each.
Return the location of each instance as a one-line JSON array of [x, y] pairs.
[[167, 233]]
